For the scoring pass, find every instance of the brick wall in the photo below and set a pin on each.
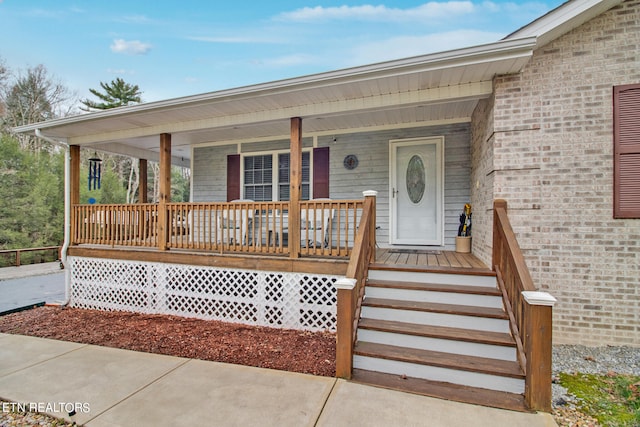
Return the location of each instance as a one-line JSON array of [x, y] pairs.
[[547, 149]]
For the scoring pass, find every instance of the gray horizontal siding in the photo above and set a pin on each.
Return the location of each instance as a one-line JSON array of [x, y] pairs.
[[372, 173], [209, 173]]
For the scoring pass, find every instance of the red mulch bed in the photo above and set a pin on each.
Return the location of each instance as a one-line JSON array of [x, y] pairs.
[[284, 349]]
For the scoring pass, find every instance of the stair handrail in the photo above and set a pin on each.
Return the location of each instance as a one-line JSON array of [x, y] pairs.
[[530, 312], [351, 289]]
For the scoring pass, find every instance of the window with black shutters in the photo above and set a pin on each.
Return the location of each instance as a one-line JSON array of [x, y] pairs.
[[260, 177]]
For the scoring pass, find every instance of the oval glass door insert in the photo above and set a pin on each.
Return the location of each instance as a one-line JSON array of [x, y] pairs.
[[416, 179]]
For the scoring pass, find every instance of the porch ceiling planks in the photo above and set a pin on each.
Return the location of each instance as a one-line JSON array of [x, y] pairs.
[[166, 121]]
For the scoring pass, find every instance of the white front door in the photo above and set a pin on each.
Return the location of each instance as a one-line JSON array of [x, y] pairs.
[[416, 191]]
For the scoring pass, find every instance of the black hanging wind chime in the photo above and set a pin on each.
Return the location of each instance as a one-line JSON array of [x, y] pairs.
[[95, 172]]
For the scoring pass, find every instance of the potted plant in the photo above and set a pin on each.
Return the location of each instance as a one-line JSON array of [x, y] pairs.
[[463, 239]]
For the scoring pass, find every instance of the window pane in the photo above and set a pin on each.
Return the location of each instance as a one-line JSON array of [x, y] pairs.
[[249, 193], [284, 192], [248, 163], [257, 177], [283, 167]]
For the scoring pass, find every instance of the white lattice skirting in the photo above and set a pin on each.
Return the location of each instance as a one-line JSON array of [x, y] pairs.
[[265, 298]]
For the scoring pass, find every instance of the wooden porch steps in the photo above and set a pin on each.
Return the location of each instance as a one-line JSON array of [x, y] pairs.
[[442, 390], [436, 308], [435, 287], [443, 360], [457, 334], [438, 332]]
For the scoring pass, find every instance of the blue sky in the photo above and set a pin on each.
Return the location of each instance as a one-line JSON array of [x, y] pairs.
[[173, 49]]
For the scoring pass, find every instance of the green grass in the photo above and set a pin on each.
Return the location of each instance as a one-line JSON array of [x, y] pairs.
[[614, 400]]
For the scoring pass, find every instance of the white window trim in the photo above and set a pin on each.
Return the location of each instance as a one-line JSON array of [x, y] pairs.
[[274, 174]]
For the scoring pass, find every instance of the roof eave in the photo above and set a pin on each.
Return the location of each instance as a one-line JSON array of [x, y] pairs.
[[441, 60], [563, 19]]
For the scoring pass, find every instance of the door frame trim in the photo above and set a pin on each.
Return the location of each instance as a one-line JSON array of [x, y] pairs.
[[439, 141]]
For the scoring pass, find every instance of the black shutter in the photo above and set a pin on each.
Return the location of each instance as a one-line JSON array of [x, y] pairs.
[[233, 177], [626, 151], [321, 172]]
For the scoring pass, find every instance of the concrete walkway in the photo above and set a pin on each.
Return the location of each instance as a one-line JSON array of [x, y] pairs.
[[112, 387]]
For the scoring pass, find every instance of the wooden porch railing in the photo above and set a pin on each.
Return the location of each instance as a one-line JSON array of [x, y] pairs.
[[17, 258], [328, 227], [351, 289], [531, 321], [123, 225]]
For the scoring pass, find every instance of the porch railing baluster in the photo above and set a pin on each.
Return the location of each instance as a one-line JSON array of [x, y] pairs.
[[239, 227]]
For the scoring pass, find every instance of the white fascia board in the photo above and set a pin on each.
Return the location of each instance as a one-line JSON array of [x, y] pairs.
[[436, 61], [563, 19]]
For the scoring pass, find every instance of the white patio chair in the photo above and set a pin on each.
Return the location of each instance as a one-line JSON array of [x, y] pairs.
[[233, 223], [315, 224]]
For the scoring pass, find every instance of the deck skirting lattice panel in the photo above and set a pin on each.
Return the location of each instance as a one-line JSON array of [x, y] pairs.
[[265, 298]]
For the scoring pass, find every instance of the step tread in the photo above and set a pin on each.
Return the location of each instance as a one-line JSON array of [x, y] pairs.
[[442, 390], [440, 359], [444, 332], [474, 271], [435, 287], [464, 310]]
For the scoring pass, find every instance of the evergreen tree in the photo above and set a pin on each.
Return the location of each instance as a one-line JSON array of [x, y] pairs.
[[31, 196], [116, 94]]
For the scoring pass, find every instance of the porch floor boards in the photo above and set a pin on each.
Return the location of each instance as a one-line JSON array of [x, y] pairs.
[[427, 259]]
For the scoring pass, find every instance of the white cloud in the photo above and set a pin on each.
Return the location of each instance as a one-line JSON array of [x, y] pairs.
[[491, 6], [428, 10], [453, 9], [130, 47]]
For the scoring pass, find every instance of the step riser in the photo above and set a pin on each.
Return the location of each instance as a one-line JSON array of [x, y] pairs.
[[438, 344], [434, 296], [434, 373], [424, 277], [436, 319]]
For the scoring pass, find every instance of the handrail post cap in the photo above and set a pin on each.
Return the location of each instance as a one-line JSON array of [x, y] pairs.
[[346, 283], [370, 193], [539, 298]]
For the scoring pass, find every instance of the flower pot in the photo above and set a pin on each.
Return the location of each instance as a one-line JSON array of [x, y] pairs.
[[463, 244]]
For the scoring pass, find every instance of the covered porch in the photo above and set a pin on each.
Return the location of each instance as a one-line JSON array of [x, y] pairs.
[[335, 133], [291, 244]]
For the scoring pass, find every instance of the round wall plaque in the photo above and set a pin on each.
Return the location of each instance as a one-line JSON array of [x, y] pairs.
[[351, 161]]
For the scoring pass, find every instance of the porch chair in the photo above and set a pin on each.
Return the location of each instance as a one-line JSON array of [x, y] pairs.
[[233, 223], [315, 224]]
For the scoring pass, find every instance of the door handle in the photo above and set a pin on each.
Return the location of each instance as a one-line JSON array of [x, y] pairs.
[[394, 191]]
